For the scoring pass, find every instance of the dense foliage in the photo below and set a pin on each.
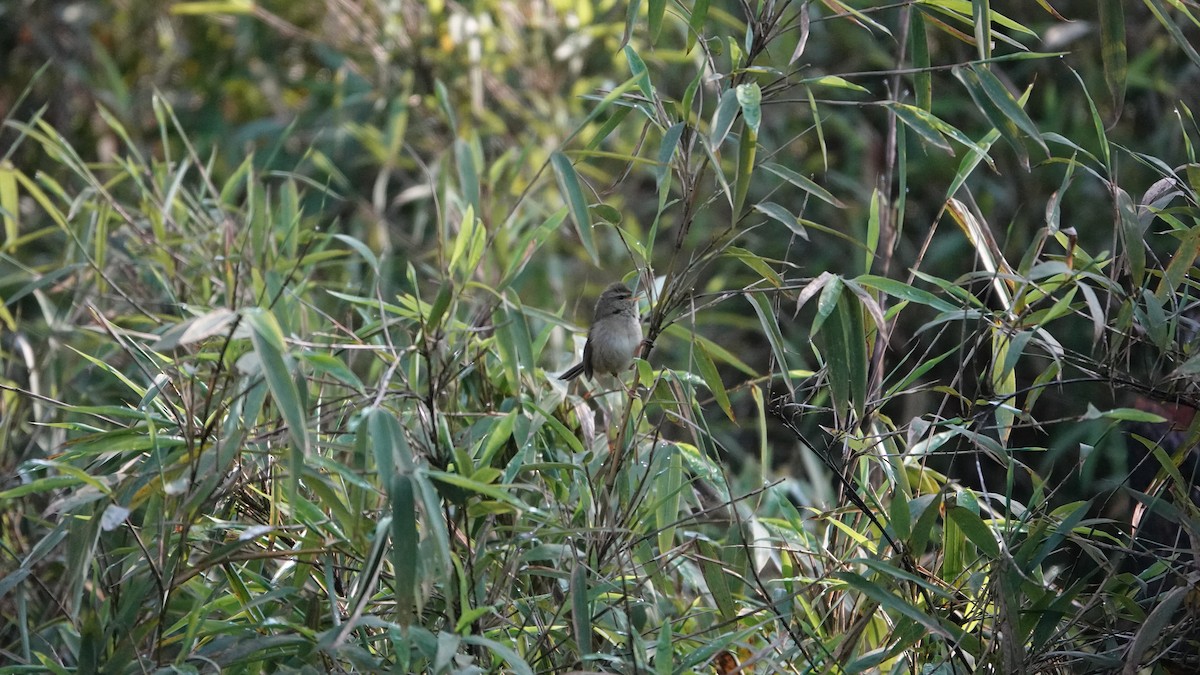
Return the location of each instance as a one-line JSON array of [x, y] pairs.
[[286, 287]]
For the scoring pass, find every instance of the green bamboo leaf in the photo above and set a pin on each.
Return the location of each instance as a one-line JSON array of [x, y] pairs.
[[747, 150], [893, 603], [432, 321], [468, 173], [779, 213], [564, 435], [1188, 368], [531, 242], [954, 547], [843, 341], [960, 9], [269, 345], [719, 353], [568, 185], [1161, 620], [756, 263], [334, 367], [1004, 383], [689, 97], [664, 656], [872, 230], [209, 7], [981, 14], [9, 211], [614, 95], [716, 578], [766, 317], [631, 14], [1160, 12], [655, 10], [360, 248], [668, 487], [384, 436], [515, 342], [749, 97], [515, 663], [901, 517], [43, 201], [497, 493], [581, 609], [1181, 263], [723, 118], [1131, 236], [443, 98], [919, 121], [999, 95], [498, 435], [919, 47], [836, 82], [637, 67], [903, 291], [434, 526], [1113, 52], [976, 531], [1061, 307], [405, 542], [1123, 415], [49, 484], [718, 172], [927, 507], [804, 184], [614, 120], [712, 378], [917, 373], [976, 153], [463, 242], [1168, 466], [666, 151], [831, 290], [1005, 126], [696, 21]]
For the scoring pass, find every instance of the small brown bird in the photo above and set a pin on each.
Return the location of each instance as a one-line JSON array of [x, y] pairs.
[[614, 336]]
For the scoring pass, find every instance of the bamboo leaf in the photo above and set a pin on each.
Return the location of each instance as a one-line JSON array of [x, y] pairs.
[[779, 213], [666, 151], [976, 531], [747, 150], [723, 118], [9, 207], [581, 609], [804, 184], [766, 317], [843, 343], [1009, 107], [468, 173], [1003, 124], [903, 291], [568, 185], [716, 579], [712, 378], [637, 68], [655, 10], [696, 21], [1131, 236], [1113, 51], [404, 545], [268, 342]]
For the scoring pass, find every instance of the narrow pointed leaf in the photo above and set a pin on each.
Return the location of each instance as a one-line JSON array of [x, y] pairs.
[[568, 185]]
